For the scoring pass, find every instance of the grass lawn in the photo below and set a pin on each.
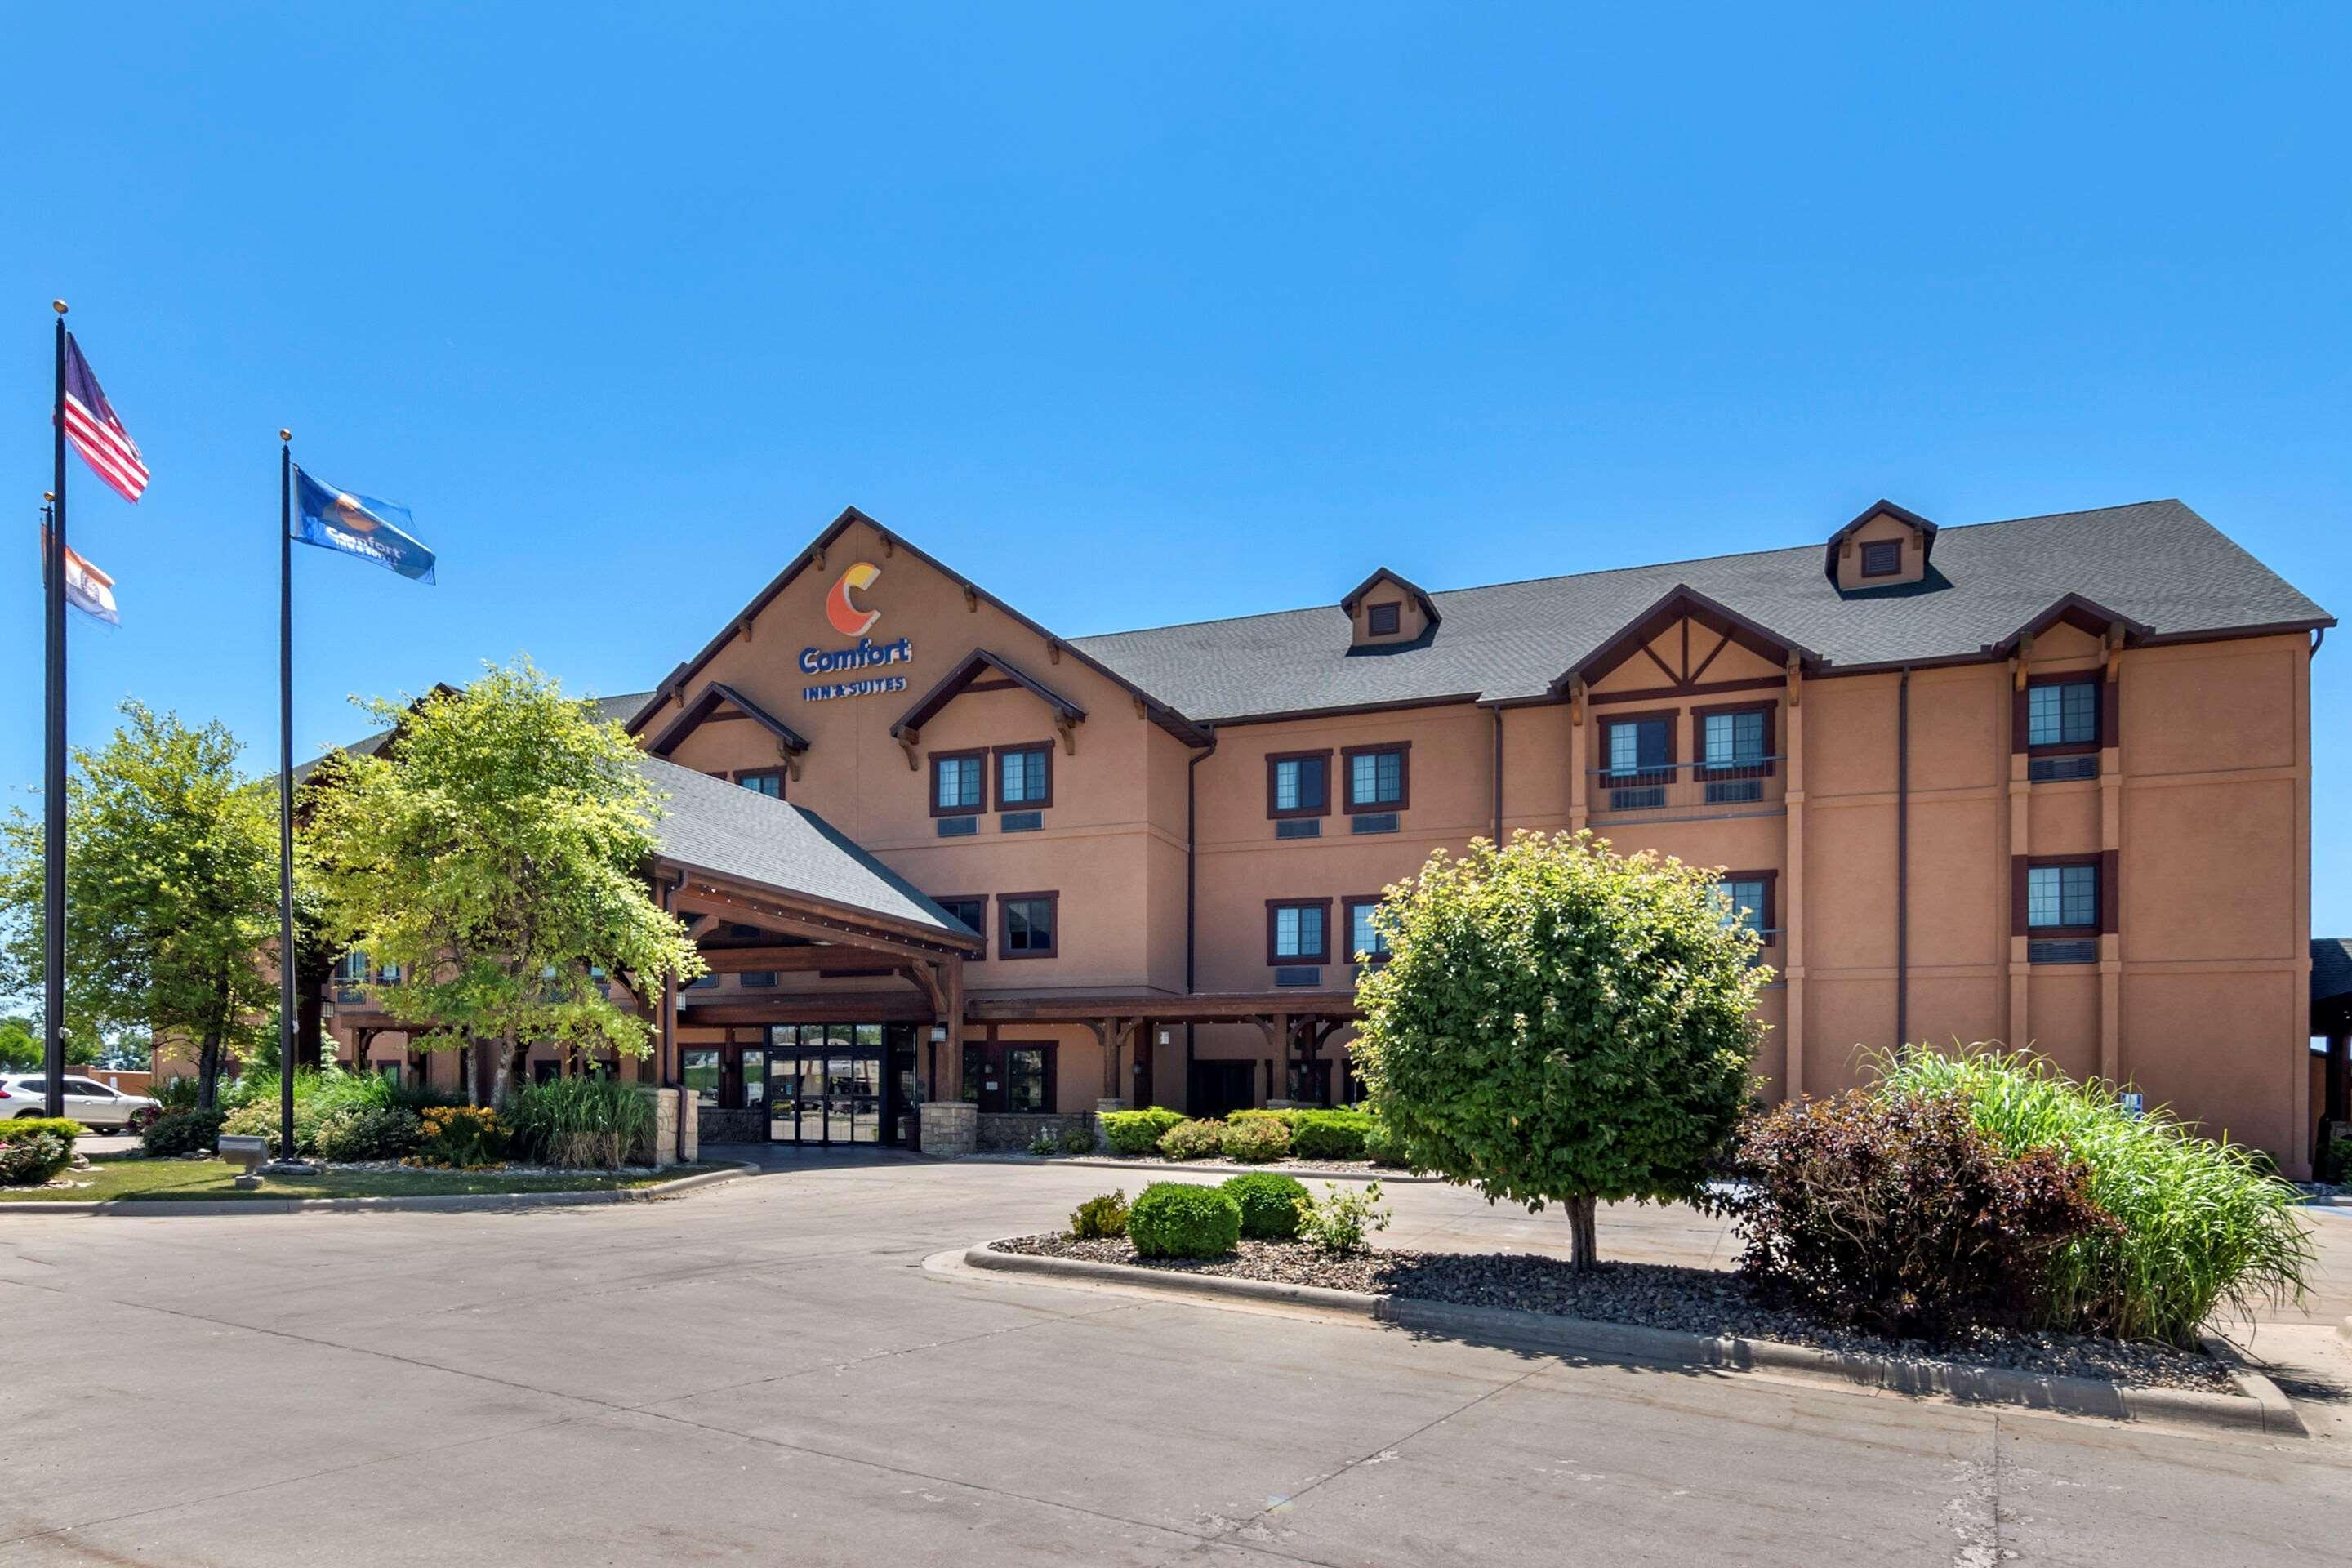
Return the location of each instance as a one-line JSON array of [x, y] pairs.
[[127, 1177]]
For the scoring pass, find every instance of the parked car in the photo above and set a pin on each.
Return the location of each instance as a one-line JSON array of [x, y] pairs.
[[87, 1101]]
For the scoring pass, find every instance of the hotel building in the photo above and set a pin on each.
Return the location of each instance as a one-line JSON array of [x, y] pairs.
[[2044, 781]]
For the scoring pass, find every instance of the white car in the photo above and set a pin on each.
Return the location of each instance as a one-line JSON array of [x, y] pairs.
[[87, 1101]]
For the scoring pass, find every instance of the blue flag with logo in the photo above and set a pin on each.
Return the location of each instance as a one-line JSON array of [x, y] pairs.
[[359, 525]]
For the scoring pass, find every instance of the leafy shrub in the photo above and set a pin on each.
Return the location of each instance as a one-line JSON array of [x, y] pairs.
[[462, 1137], [1338, 1223], [1269, 1203], [1177, 1219], [1078, 1138], [1044, 1144], [181, 1132], [1382, 1144], [1330, 1134], [2335, 1161], [264, 1119], [376, 1133], [60, 1127], [178, 1093], [1193, 1139], [572, 1121], [1898, 1212], [1138, 1131], [1557, 1023], [32, 1159], [1255, 1141], [1104, 1214], [2201, 1226]]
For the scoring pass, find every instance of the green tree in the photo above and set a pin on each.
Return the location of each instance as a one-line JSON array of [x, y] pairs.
[[20, 1046], [1556, 1023], [171, 892], [493, 851]]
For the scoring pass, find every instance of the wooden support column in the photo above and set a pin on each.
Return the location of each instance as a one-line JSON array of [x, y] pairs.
[[951, 1069], [1580, 751]]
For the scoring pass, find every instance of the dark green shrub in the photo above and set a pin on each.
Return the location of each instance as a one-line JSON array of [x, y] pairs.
[[1138, 1131], [1254, 1140], [62, 1127], [372, 1133], [1897, 1213], [2335, 1161], [1330, 1134], [1269, 1203], [1381, 1145], [1103, 1214], [178, 1093], [574, 1121], [262, 1118], [1193, 1139], [32, 1159], [1077, 1139], [1177, 1219], [183, 1132], [1044, 1144]]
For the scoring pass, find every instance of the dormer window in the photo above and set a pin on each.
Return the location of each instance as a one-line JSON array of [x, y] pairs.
[[1385, 611], [1885, 546], [1382, 620]]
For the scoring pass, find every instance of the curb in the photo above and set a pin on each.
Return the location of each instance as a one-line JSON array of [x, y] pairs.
[[1204, 1167], [438, 1203], [2259, 1406]]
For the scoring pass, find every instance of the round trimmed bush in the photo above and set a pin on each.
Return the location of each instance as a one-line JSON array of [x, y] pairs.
[[1194, 1140], [32, 1160], [1138, 1131], [1256, 1140], [183, 1132], [1269, 1203], [1177, 1219], [1330, 1134]]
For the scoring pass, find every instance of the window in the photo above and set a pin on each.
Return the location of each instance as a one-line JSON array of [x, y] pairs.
[[2062, 713], [1024, 777], [1365, 942], [1640, 746], [970, 910], [759, 979], [769, 781], [391, 1071], [1735, 740], [2063, 897], [1747, 901], [1297, 930], [956, 782], [1029, 924], [699, 1067], [1376, 777], [1025, 1079], [1297, 784], [700, 983], [352, 969], [1882, 558], [1009, 1076], [1383, 620]]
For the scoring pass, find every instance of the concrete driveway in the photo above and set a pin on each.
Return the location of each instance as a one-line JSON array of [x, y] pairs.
[[765, 1373]]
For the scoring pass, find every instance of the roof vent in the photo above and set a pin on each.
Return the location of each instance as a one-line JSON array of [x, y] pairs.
[[1884, 547], [1386, 610]]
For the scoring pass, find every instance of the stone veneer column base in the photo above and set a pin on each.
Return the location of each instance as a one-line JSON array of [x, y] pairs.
[[950, 1129]]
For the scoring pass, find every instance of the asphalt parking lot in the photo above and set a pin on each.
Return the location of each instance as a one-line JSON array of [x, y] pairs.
[[766, 1372]]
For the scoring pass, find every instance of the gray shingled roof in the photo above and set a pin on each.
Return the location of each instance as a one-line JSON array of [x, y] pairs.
[[718, 827], [609, 711], [2331, 967], [2156, 562]]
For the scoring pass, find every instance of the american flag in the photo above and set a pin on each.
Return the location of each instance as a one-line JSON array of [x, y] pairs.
[[95, 430]]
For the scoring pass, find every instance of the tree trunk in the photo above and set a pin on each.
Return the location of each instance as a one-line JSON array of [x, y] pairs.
[[500, 1066], [1584, 1246], [208, 1064]]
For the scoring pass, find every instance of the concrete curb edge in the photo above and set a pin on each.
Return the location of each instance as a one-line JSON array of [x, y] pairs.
[[1193, 1167], [439, 1203], [2259, 1406]]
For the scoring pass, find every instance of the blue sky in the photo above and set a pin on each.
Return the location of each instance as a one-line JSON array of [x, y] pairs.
[[1140, 318]]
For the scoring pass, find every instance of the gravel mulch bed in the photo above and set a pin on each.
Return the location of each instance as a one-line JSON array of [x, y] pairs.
[[1657, 1296]]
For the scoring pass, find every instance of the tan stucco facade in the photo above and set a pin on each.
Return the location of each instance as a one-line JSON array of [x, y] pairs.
[[1895, 822]]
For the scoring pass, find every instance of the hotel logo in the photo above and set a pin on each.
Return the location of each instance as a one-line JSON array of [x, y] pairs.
[[843, 611]]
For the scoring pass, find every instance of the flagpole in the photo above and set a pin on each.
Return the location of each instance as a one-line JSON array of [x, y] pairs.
[[286, 795], [53, 775]]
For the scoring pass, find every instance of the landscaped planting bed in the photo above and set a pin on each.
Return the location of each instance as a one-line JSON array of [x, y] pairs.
[[1692, 1301]]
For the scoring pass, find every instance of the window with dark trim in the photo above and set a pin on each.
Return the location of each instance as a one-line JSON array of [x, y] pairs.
[[1377, 777], [1297, 784], [1747, 897], [1024, 777], [759, 979], [2063, 715], [1027, 925], [1365, 942], [700, 1069], [769, 781], [1882, 558], [2062, 897], [1637, 745], [1015, 1076], [1298, 930], [959, 782], [1383, 620], [972, 910]]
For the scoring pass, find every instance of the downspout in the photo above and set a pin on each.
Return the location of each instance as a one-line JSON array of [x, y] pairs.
[[1498, 711], [1903, 861], [1191, 884]]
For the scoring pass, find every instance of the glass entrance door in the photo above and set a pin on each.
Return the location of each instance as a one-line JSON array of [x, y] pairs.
[[826, 1083]]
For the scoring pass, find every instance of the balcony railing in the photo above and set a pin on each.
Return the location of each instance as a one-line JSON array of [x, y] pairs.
[[1687, 789]]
